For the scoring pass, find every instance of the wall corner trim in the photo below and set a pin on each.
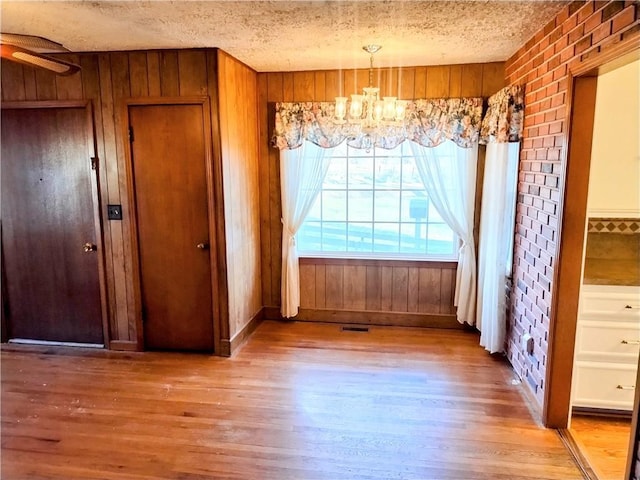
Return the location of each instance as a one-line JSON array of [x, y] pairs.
[[229, 347], [124, 345]]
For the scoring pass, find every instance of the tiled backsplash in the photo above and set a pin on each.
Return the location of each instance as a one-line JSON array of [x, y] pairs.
[[612, 254], [626, 226]]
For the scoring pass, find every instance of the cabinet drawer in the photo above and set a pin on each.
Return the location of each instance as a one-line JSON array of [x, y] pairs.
[[615, 300], [608, 341], [599, 385]]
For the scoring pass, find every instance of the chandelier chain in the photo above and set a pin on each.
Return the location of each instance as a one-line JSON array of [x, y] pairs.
[[371, 71], [371, 49]]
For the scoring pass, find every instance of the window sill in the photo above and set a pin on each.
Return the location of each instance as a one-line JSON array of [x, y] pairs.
[[379, 262]]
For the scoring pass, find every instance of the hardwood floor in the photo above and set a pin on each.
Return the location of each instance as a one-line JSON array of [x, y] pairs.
[[604, 443], [298, 401]]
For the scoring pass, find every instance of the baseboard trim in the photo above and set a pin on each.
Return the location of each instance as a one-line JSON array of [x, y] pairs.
[[602, 412], [529, 398], [228, 347], [359, 317], [123, 345], [574, 450]]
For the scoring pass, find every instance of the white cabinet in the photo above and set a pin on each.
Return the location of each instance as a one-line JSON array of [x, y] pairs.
[[607, 347]]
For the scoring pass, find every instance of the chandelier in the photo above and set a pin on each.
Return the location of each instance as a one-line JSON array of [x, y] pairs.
[[366, 112]]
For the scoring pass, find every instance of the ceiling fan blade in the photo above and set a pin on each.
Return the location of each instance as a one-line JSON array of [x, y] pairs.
[[31, 42], [20, 55]]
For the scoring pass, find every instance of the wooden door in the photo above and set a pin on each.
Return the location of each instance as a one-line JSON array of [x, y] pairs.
[[169, 173], [48, 215]]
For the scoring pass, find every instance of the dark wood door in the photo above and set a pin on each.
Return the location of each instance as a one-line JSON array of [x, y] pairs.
[[53, 286], [169, 171]]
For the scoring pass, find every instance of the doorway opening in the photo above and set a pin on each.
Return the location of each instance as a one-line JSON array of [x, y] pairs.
[[602, 345], [608, 321]]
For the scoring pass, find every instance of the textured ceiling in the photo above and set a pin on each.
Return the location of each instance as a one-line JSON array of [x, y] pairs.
[[292, 35]]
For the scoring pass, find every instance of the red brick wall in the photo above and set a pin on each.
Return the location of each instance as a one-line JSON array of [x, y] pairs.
[[580, 31]]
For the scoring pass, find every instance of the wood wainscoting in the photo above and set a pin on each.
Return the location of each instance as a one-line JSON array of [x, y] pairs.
[[376, 292]]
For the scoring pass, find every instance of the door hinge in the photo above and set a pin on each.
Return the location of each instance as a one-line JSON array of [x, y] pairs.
[[131, 134], [94, 163]]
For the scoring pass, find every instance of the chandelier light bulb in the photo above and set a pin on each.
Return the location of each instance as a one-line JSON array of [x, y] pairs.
[[389, 107], [341, 109], [355, 111], [401, 110]]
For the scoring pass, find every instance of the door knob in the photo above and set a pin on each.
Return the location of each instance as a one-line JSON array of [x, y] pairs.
[[203, 246], [89, 247]]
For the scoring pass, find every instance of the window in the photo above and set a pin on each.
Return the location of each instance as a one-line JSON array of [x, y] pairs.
[[373, 204]]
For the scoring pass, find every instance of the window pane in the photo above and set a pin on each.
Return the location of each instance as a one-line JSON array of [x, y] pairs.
[[359, 152], [315, 214], [415, 206], [434, 216], [386, 237], [336, 174], [340, 150], [360, 173], [410, 176], [309, 237], [334, 205], [413, 238], [387, 206], [360, 206], [441, 240], [384, 153], [334, 236], [360, 237], [387, 173]]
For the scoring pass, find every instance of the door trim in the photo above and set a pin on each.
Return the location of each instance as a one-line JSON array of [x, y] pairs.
[[634, 436], [569, 250], [217, 250], [96, 180]]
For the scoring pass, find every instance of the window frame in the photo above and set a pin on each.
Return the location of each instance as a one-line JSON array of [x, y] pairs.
[[372, 255]]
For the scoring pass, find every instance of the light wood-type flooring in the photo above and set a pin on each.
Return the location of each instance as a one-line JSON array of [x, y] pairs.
[[298, 401], [604, 443]]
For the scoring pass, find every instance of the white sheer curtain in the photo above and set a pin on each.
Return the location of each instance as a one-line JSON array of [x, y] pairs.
[[495, 251], [302, 172], [449, 176]]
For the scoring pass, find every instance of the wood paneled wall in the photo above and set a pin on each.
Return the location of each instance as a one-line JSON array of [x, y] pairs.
[[471, 80], [239, 144], [107, 79]]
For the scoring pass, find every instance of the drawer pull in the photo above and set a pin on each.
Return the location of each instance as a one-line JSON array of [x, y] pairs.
[[626, 387], [630, 342], [629, 307]]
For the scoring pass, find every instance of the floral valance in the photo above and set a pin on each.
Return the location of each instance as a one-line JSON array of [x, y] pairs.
[[427, 122], [503, 121]]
